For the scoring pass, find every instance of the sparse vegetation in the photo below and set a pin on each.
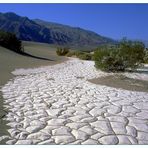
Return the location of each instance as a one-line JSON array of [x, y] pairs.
[[79, 54], [146, 57], [62, 51], [84, 56], [10, 41], [127, 55], [71, 53]]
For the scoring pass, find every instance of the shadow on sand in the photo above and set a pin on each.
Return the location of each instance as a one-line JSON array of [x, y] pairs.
[[143, 70], [36, 57]]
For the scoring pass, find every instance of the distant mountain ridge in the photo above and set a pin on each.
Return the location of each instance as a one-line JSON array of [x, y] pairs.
[[53, 33]]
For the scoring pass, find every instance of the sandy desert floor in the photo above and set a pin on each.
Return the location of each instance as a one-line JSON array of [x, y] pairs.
[[58, 105], [10, 60]]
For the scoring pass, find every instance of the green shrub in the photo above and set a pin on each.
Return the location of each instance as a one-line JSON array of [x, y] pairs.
[[71, 53], [78, 53], [127, 55], [83, 55], [132, 53], [108, 60], [146, 57], [10, 41], [62, 51]]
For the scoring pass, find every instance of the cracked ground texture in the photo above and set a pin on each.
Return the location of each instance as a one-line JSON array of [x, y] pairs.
[[57, 105]]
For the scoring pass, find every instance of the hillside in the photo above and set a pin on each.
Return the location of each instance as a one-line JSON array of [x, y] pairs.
[[52, 33]]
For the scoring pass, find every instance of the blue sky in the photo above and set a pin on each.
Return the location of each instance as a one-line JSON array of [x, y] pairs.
[[111, 20]]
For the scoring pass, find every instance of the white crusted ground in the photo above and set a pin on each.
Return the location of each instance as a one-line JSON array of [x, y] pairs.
[[57, 105]]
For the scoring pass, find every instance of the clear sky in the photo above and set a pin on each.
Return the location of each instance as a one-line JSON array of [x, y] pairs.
[[111, 20]]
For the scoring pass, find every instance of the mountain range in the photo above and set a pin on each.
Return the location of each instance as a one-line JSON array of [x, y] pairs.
[[53, 33]]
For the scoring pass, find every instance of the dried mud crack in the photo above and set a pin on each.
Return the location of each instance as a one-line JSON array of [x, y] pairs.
[[57, 105]]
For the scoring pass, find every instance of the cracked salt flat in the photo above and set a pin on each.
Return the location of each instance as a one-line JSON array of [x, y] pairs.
[[57, 105]]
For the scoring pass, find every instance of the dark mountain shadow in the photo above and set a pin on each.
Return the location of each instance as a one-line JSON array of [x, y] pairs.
[[36, 57]]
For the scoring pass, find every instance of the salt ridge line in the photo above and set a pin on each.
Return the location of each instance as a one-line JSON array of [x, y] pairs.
[[57, 105]]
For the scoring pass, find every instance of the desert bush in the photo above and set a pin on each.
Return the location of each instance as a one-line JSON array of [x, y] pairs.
[[127, 55], [62, 51], [108, 60], [132, 53], [10, 41], [83, 55], [146, 57], [78, 53], [71, 53]]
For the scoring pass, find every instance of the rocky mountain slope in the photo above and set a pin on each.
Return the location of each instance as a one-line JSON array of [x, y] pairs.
[[52, 33]]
